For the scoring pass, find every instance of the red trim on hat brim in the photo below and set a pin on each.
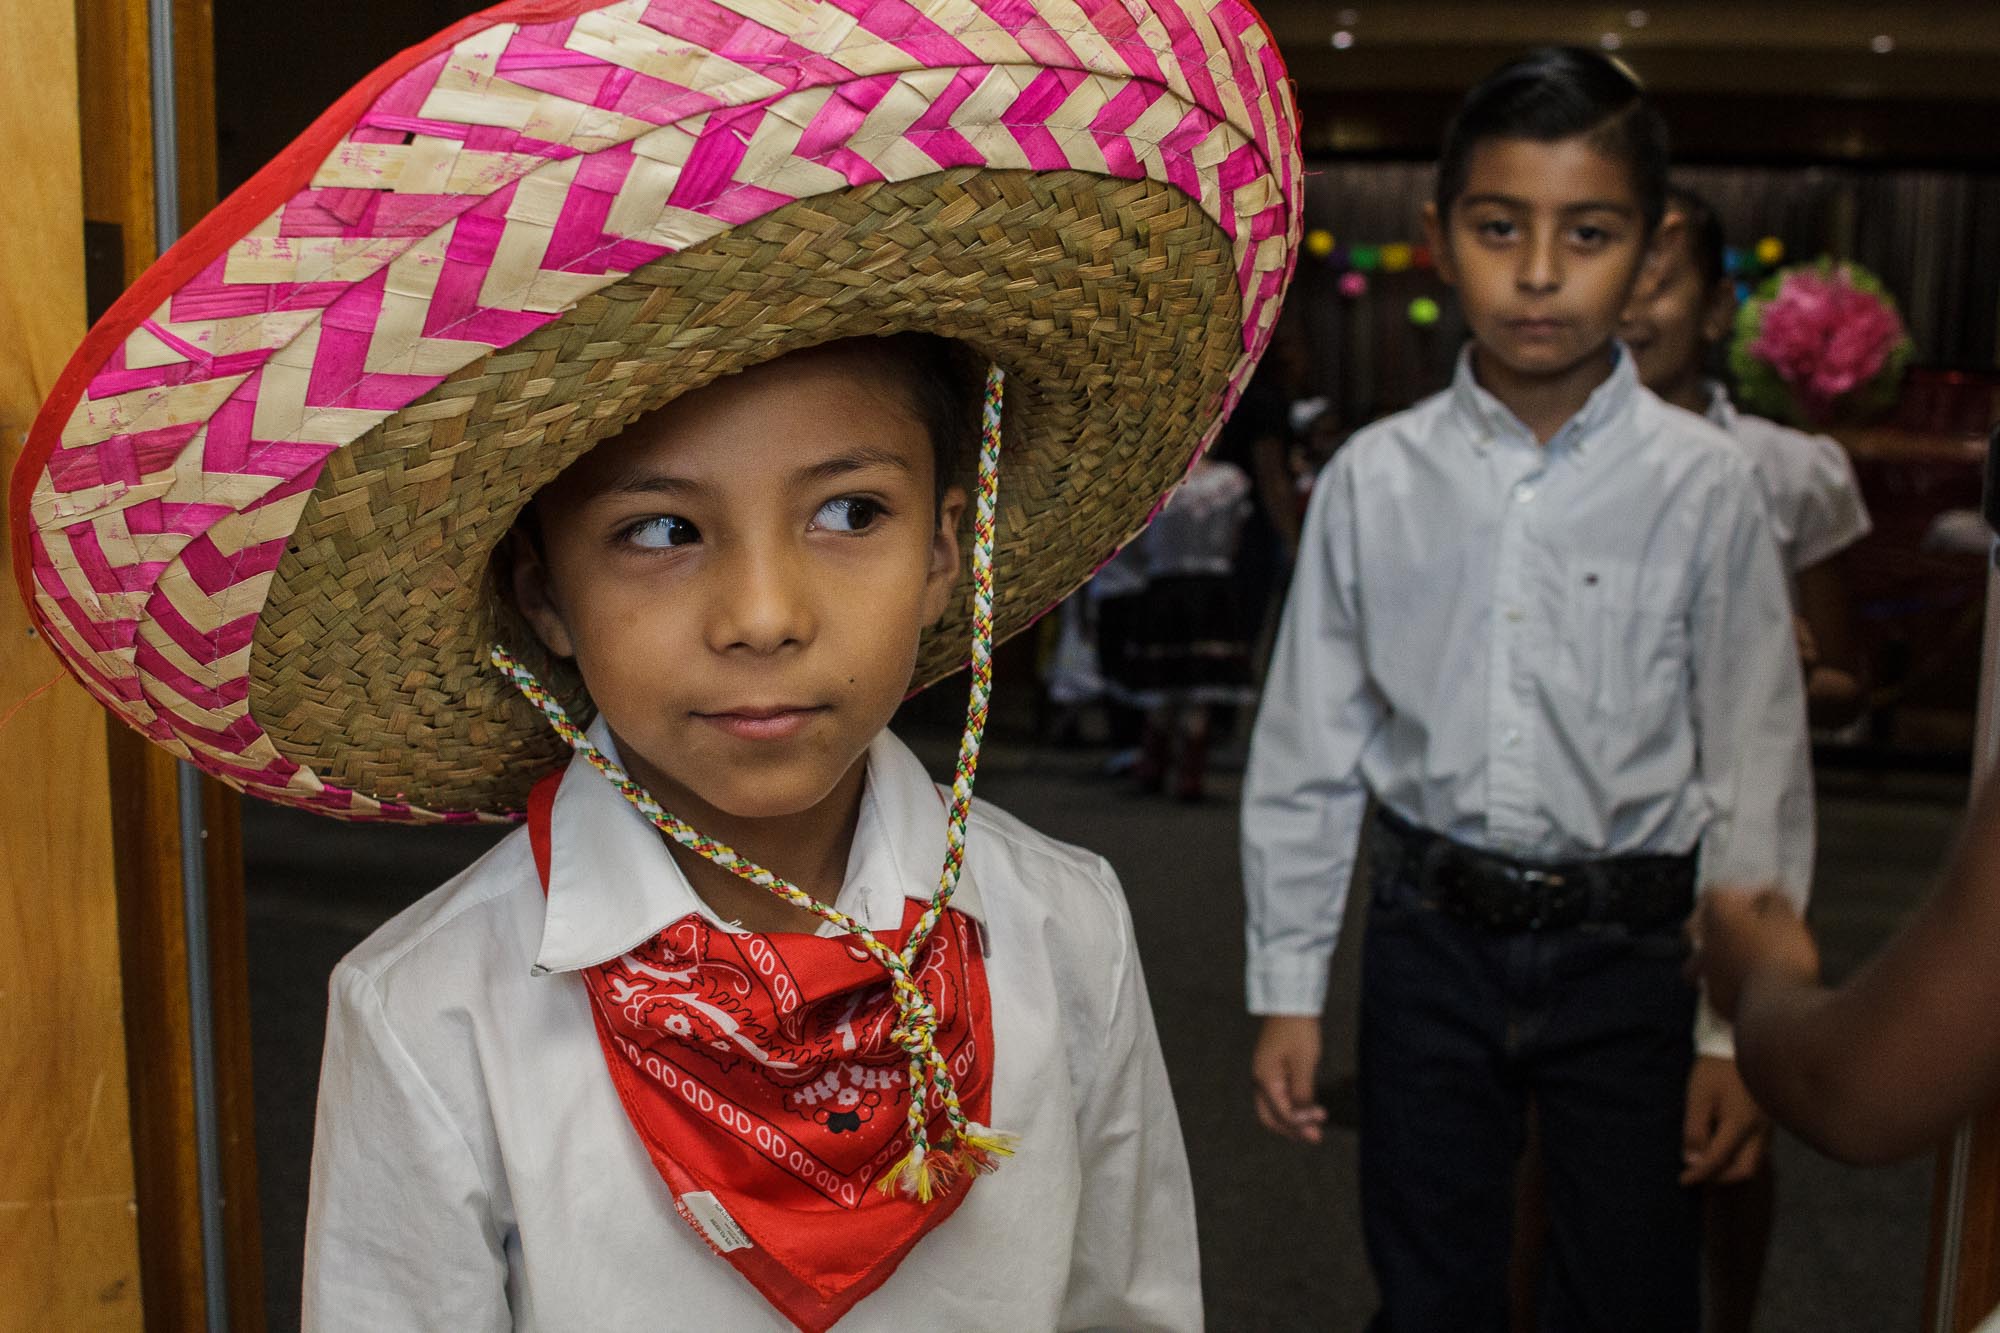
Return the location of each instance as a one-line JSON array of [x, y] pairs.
[[279, 179]]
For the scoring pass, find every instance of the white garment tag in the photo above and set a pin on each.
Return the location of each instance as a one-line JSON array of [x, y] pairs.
[[706, 1212]]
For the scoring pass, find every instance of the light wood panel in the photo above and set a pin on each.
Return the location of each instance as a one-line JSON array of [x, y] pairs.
[[113, 102], [194, 84], [68, 1243]]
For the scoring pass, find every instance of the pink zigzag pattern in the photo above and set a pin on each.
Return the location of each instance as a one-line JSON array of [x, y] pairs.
[[143, 554]]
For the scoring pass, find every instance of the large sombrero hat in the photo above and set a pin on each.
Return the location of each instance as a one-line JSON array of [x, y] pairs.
[[256, 514]]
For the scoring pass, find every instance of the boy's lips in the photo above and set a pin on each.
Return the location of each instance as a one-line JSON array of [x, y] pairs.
[[763, 722], [1537, 328]]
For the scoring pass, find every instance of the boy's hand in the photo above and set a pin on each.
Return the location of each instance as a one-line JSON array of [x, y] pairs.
[[1725, 1133], [1282, 1068], [1734, 933], [1808, 643]]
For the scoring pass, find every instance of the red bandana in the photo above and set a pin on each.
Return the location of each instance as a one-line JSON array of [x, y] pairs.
[[760, 1074]]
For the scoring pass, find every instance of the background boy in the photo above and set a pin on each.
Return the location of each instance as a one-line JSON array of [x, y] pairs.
[[1540, 621], [1672, 328]]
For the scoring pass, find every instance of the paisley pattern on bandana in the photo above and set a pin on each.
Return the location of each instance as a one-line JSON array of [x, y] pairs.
[[760, 1073]]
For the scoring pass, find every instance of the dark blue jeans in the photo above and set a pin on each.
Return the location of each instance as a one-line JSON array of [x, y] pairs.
[[1460, 1027]]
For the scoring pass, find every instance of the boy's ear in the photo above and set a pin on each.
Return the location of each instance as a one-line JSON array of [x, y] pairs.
[[942, 576], [534, 596], [1657, 262], [1440, 247]]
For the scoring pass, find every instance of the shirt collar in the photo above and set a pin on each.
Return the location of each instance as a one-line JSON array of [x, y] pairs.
[[1491, 421], [612, 882], [1720, 410]]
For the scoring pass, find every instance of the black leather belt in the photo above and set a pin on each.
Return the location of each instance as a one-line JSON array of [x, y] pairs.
[[1503, 895]]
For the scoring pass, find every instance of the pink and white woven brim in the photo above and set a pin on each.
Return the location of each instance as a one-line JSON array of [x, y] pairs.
[[274, 389]]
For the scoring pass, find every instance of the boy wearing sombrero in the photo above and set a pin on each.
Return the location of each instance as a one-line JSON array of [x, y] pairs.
[[575, 425]]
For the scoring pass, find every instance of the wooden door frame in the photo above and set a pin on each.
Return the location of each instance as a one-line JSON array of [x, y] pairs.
[[1965, 1222], [115, 112], [68, 1240]]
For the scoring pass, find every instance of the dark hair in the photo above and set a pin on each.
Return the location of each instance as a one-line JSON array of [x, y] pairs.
[[943, 382], [1704, 233], [1561, 92]]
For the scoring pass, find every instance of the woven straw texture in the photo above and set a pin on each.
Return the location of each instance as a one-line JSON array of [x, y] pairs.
[[262, 536]]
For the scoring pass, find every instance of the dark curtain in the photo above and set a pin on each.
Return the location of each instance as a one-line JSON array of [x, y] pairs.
[[1932, 236]]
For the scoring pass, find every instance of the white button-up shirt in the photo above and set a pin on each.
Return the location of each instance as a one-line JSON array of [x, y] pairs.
[[1809, 487], [1557, 652], [473, 1168]]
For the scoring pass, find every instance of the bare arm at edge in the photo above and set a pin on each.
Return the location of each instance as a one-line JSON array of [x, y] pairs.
[[1886, 1064]]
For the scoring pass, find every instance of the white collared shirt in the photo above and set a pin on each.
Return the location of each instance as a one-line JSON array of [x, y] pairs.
[[473, 1168], [1558, 652], [1809, 486]]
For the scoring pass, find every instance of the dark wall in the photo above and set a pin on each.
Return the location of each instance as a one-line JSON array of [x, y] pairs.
[[277, 66]]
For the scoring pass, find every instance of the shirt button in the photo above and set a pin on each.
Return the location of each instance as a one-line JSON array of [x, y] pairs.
[[1515, 614], [1511, 739], [1524, 493]]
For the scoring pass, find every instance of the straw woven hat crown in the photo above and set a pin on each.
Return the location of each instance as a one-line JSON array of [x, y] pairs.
[[256, 514]]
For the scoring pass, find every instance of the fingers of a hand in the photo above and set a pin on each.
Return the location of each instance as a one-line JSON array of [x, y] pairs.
[[1700, 1150], [1707, 1164], [1284, 1119], [1736, 1126], [1274, 1085], [1267, 1115], [1739, 1129], [1296, 1080], [1299, 1071], [1748, 1157], [1698, 1123]]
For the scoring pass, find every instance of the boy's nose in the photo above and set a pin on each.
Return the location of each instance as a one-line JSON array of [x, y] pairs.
[[1541, 265], [762, 604]]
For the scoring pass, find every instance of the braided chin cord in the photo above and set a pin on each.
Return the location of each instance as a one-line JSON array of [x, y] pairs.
[[965, 1147]]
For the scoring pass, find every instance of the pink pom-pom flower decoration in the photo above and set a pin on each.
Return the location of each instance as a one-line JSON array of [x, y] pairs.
[[1820, 342]]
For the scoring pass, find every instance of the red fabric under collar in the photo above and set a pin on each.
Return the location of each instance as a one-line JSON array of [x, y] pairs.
[[759, 1073]]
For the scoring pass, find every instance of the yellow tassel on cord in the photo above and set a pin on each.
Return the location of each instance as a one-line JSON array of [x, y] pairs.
[[979, 1147], [914, 1175], [923, 1174]]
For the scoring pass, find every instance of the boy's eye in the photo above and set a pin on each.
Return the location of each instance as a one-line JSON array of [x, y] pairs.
[[1498, 229], [662, 533], [1591, 236], [847, 514]]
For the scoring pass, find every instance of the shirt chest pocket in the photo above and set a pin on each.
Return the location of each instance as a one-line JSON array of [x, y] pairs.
[[1622, 636]]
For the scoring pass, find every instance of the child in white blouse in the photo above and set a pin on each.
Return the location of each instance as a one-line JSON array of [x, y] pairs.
[[1672, 329]]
